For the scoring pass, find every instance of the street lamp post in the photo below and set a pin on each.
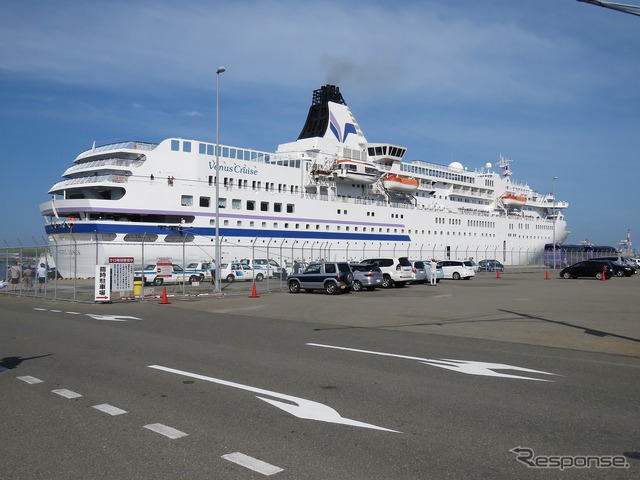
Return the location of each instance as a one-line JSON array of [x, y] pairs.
[[553, 212], [217, 173]]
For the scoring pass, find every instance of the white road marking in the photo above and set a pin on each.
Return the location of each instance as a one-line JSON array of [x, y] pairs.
[[252, 463], [112, 318], [56, 311], [30, 380], [296, 406], [63, 392], [73, 313], [172, 433], [41, 309], [110, 409], [462, 366]]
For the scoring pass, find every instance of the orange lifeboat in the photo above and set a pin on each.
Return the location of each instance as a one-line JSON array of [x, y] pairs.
[[395, 183], [512, 200]]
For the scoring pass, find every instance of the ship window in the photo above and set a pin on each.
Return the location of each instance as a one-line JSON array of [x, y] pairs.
[[290, 208], [222, 203], [205, 201], [186, 201], [286, 225], [297, 226], [264, 224], [202, 148], [226, 223], [264, 206], [251, 205], [239, 223], [137, 237], [275, 224], [175, 145], [209, 149], [178, 238], [186, 146], [307, 226], [339, 210], [236, 204], [110, 237], [277, 207], [317, 227]]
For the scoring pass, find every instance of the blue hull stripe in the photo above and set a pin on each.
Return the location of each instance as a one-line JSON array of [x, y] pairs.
[[128, 228]]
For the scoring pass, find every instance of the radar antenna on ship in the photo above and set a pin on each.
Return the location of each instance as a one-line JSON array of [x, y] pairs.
[[503, 164]]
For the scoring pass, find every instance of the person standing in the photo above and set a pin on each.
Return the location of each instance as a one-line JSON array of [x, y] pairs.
[[432, 271], [41, 273], [14, 274], [27, 275]]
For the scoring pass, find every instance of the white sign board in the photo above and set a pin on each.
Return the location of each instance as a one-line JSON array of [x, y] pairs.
[[103, 284], [121, 274]]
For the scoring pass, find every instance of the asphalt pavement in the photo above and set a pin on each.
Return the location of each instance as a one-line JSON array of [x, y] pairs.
[[517, 377]]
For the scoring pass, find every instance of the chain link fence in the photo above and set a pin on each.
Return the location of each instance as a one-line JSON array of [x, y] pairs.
[[71, 266]]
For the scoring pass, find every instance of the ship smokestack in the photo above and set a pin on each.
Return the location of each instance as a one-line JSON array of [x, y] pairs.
[[318, 116]]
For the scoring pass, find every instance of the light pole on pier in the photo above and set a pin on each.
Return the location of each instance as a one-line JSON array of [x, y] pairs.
[[217, 174], [553, 211]]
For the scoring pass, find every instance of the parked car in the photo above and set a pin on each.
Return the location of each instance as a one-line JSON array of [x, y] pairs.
[[472, 264], [198, 271], [366, 275], [235, 271], [270, 267], [619, 269], [160, 274], [587, 268], [490, 266], [418, 271], [456, 269], [395, 271], [332, 277]]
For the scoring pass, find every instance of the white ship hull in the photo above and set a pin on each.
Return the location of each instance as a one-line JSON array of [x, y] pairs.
[[147, 201]]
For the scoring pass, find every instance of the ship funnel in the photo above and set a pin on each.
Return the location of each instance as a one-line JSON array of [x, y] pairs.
[[318, 116]]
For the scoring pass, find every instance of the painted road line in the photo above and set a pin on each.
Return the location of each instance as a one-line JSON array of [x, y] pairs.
[[56, 311], [172, 433], [296, 406], [110, 409], [252, 463], [30, 380], [73, 313], [41, 309], [63, 392], [487, 369]]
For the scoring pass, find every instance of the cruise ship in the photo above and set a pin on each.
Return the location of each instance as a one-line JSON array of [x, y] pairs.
[[329, 194]]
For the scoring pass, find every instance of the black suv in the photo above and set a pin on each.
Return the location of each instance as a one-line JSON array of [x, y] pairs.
[[332, 277], [588, 268]]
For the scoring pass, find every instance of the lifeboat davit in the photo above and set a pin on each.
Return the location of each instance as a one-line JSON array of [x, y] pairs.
[[395, 183], [512, 200]]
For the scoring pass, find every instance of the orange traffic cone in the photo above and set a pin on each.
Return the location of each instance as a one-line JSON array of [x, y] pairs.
[[164, 300], [546, 277], [254, 292], [498, 275], [604, 273]]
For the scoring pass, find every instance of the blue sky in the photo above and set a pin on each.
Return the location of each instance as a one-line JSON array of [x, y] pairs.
[[551, 84]]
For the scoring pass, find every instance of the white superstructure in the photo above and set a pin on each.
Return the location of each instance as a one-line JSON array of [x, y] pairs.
[[331, 188]]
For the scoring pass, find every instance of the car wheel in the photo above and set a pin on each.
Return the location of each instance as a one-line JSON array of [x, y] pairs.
[[230, 278], [455, 276], [566, 275], [194, 278], [294, 286], [599, 276], [619, 273], [386, 281], [357, 286], [331, 288], [259, 277], [158, 281], [202, 277]]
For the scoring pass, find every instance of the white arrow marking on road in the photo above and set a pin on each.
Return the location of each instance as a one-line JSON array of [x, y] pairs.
[[301, 407], [462, 366], [112, 318]]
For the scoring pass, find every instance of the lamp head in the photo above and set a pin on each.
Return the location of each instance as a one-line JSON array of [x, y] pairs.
[[220, 70]]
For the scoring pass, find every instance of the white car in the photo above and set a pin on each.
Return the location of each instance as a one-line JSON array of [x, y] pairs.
[[233, 272], [395, 271], [456, 269], [160, 274]]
